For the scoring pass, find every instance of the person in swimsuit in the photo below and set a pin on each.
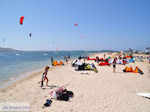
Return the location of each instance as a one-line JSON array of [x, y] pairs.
[[44, 76]]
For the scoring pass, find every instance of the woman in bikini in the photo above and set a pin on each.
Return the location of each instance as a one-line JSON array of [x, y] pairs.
[[44, 76]]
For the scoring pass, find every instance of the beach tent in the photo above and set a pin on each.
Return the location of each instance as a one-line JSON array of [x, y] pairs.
[[137, 70], [128, 69], [131, 60], [86, 66], [104, 64]]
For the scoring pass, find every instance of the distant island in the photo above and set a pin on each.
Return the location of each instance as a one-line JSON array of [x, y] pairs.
[[14, 50], [8, 50]]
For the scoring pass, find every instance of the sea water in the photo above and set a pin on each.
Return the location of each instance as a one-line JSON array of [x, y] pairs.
[[16, 64]]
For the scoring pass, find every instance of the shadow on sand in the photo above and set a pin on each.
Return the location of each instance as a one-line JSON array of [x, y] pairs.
[[49, 87]]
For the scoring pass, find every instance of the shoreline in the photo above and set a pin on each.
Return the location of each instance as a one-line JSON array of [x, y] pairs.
[[31, 74], [27, 75], [93, 92]]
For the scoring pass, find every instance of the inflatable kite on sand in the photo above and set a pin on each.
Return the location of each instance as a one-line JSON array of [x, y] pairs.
[[55, 63], [104, 64], [130, 69], [147, 95]]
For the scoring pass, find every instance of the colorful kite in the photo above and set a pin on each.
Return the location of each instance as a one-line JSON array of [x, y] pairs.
[[21, 20]]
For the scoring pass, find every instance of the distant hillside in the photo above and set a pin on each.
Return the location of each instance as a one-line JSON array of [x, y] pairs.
[[7, 50]]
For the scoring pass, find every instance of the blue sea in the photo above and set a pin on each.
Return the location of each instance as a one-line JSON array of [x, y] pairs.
[[14, 65]]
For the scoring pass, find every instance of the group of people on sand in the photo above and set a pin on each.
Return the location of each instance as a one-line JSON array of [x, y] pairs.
[[44, 75]]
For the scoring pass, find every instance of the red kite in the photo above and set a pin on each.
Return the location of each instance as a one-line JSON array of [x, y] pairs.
[[81, 37], [57, 48], [21, 20], [75, 24]]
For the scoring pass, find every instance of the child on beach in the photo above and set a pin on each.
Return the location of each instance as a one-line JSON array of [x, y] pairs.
[[44, 76]]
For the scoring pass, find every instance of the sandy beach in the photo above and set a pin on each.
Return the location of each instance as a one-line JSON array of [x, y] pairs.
[[104, 91]]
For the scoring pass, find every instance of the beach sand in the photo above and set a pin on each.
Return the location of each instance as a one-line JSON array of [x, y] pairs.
[[104, 91]]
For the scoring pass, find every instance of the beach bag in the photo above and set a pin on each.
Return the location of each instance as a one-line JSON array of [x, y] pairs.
[[48, 103], [70, 94], [63, 96]]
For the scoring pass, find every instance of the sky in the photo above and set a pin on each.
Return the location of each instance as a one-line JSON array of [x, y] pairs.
[[102, 24]]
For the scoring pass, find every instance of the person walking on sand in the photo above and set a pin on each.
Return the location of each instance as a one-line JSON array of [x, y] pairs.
[[114, 65], [44, 76]]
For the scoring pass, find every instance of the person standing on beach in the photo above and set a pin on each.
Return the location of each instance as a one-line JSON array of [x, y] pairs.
[[52, 60], [84, 58], [114, 65], [44, 76], [104, 56]]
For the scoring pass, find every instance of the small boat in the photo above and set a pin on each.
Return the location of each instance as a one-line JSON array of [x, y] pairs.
[[45, 54]]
